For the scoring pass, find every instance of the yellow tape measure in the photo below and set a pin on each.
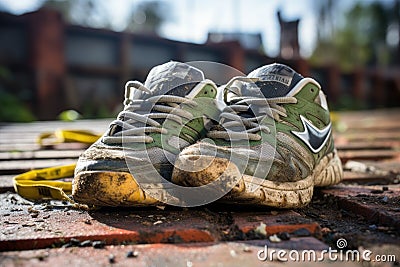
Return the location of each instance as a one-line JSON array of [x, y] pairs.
[[67, 136], [41, 184], [46, 183]]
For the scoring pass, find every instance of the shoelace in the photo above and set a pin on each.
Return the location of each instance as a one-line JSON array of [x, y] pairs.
[[231, 116], [169, 107]]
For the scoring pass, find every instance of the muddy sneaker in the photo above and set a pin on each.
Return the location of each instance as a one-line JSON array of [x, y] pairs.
[[159, 119], [274, 140]]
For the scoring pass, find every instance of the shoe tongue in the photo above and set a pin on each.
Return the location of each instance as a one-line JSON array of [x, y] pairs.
[[173, 78], [276, 80]]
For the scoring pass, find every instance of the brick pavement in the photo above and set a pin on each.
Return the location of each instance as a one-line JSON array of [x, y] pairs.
[[364, 209]]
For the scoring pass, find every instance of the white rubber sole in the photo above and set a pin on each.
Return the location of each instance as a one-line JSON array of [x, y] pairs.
[[257, 191]]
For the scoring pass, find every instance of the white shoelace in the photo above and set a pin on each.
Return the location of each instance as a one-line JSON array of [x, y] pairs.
[[167, 106], [231, 115]]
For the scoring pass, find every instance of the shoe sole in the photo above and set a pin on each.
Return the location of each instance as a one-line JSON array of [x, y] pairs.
[[99, 188], [256, 191]]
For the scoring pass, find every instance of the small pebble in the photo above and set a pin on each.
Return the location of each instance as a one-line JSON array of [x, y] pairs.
[[32, 210], [274, 239], [132, 254], [157, 222], [86, 243], [261, 229], [246, 249], [67, 245], [74, 241], [284, 236], [111, 258], [325, 230], [98, 244], [87, 221], [29, 224], [372, 227], [385, 199]]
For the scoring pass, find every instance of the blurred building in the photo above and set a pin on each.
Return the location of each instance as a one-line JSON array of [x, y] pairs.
[[249, 41], [55, 66]]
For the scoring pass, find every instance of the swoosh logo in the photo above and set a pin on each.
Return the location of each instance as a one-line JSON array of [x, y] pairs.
[[313, 137]]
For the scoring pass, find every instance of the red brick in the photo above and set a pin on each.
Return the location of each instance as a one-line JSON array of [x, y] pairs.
[[368, 155], [282, 221], [199, 254], [363, 201], [21, 230]]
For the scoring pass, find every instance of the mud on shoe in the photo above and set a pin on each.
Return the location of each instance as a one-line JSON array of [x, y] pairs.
[[159, 119], [274, 140]]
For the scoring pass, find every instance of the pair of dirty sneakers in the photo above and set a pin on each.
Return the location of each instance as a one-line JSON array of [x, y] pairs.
[[261, 139]]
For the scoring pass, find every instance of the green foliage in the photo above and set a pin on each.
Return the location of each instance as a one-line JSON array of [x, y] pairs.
[[13, 110], [89, 13], [361, 38], [69, 115], [148, 17], [145, 17]]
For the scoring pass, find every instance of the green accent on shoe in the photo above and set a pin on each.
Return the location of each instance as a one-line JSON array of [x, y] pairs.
[[161, 117], [298, 127]]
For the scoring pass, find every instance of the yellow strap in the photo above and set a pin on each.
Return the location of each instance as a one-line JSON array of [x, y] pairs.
[[66, 136], [43, 184], [40, 184]]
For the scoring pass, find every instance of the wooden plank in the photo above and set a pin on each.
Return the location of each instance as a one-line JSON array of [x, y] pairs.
[[367, 155], [18, 166], [13, 147], [372, 136], [368, 178], [52, 125], [342, 144], [41, 154], [370, 116], [170, 255], [6, 183]]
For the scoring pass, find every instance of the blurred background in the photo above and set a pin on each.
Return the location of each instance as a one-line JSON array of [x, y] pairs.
[[77, 55]]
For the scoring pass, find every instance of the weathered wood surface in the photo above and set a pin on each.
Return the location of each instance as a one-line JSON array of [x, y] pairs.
[[364, 208]]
